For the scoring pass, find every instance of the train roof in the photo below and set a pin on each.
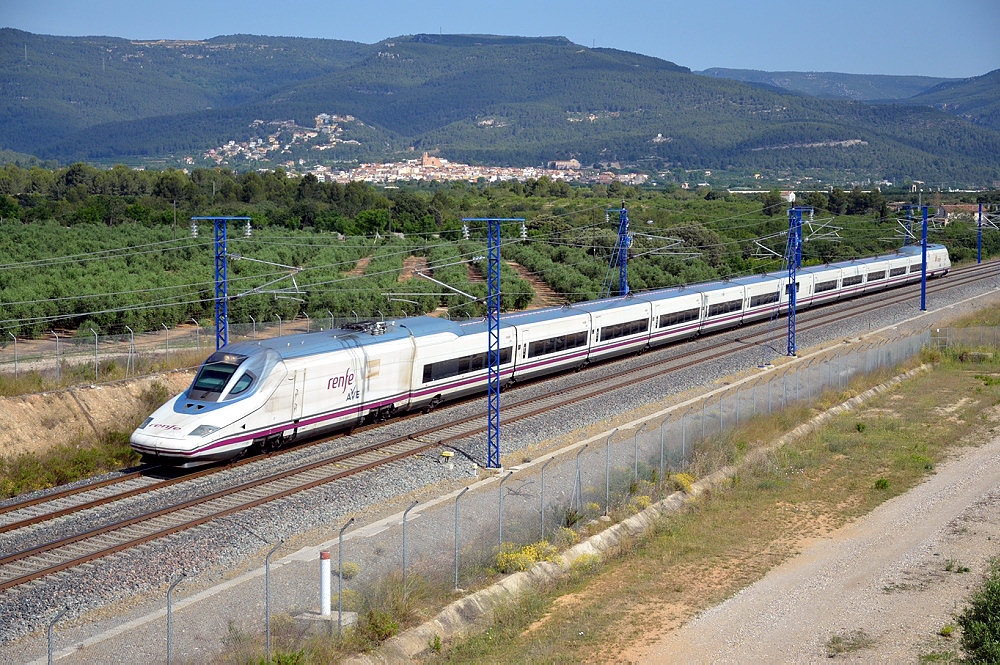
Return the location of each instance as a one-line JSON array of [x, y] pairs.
[[373, 332], [362, 333]]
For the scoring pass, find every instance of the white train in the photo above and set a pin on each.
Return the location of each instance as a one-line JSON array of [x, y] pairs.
[[270, 392]]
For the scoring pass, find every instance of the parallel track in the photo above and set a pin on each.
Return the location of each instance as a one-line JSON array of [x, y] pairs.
[[56, 556]]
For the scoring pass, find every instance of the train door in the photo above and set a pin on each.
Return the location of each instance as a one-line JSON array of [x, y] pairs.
[[298, 380]]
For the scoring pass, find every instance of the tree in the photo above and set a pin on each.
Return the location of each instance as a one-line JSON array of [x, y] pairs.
[[772, 203], [837, 201]]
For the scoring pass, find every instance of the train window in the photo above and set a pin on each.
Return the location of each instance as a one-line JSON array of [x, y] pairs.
[[851, 281], [875, 276], [721, 308], [764, 299], [677, 318], [624, 329], [242, 384], [214, 375], [455, 366], [825, 286], [788, 290], [897, 271], [555, 344]]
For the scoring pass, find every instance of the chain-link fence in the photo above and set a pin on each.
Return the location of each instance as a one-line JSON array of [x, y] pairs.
[[454, 542]]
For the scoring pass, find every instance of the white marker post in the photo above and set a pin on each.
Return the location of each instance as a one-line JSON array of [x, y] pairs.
[[324, 583]]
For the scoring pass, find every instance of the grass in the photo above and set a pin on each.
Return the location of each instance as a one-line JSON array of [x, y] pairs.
[[855, 640]]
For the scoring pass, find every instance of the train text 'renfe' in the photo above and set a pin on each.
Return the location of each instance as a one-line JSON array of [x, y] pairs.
[[343, 382]]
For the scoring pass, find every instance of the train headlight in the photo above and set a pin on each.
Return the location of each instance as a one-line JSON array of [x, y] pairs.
[[145, 422], [204, 430]]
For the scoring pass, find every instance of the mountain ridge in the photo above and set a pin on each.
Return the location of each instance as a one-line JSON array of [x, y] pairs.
[[478, 98]]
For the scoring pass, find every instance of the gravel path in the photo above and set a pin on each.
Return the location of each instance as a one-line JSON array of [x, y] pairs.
[[886, 574]]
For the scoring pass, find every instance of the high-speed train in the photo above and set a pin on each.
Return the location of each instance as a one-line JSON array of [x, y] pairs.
[[270, 392]]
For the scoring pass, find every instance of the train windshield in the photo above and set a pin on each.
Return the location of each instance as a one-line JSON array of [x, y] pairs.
[[215, 374]]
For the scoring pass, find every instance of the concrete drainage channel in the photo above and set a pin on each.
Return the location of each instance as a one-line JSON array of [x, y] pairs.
[[463, 616]]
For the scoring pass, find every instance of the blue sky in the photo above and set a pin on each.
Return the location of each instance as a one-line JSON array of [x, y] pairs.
[[952, 39]]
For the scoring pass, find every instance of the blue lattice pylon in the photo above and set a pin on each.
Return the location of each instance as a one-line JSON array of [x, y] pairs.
[[619, 255], [221, 278], [493, 336], [923, 262], [493, 320], [794, 262]]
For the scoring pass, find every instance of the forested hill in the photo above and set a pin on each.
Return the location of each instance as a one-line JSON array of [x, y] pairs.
[[977, 99], [833, 85], [474, 98]]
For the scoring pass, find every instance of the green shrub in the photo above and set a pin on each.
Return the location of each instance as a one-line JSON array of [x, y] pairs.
[[349, 570], [377, 626], [980, 621], [882, 484]]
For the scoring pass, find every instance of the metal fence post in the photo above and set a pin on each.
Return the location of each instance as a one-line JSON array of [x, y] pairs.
[[500, 510], [58, 362], [51, 624], [456, 524], [13, 337], [578, 488], [340, 583], [607, 472], [635, 441], [541, 498], [404, 544], [95, 353], [279, 324], [267, 595], [737, 407], [332, 323], [722, 399], [684, 436], [129, 362], [704, 403], [170, 590], [197, 338], [662, 423], [254, 326], [166, 344]]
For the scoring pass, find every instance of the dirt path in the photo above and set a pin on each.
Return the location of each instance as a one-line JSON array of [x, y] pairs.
[[896, 574], [359, 268], [475, 276], [544, 296], [410, 265]]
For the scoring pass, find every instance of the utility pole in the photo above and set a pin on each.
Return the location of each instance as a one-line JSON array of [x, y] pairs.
[[493, 336], [794, 262], [221, 278], [923, 264]]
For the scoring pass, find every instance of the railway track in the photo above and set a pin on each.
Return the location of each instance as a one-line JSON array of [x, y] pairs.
[[59, 555]]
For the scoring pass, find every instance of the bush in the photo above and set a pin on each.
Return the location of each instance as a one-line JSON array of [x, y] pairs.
[[349, 570], [512, 559], [980, 621], [683, 481], [377, 626], [882, 484]]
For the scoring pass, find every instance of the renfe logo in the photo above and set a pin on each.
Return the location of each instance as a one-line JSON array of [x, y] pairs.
[[344, 381]]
